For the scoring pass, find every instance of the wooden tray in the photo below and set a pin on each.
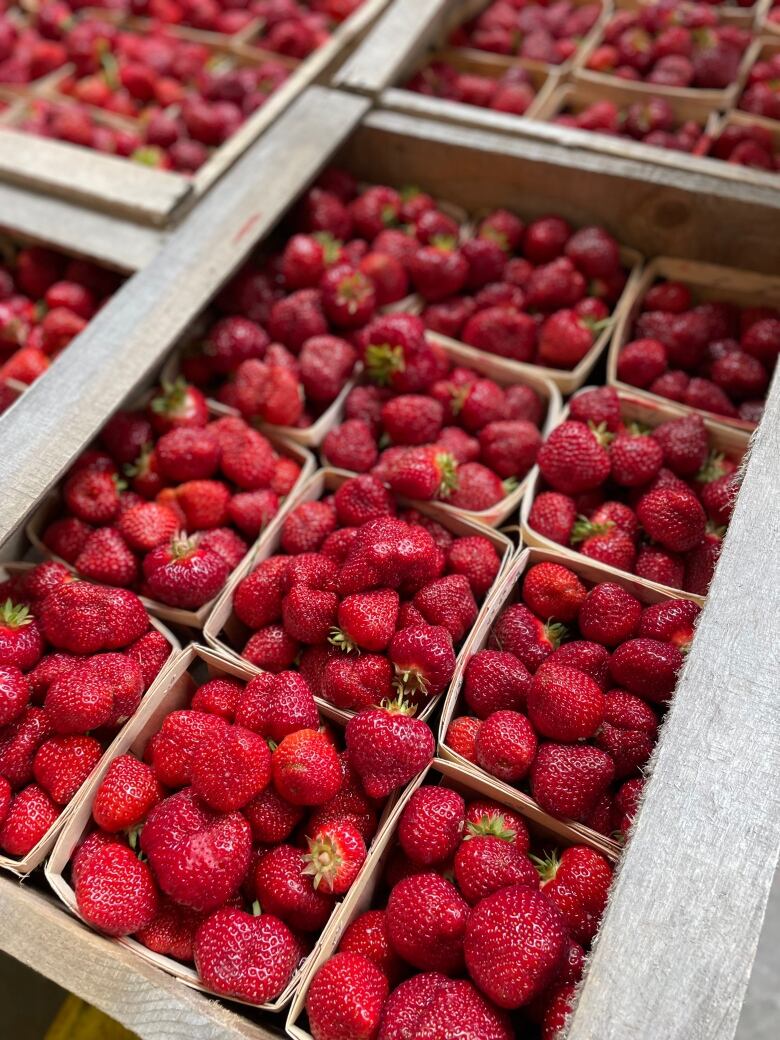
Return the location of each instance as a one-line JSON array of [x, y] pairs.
[[732, 443], [709, 282], [225, 632], [21, 866]]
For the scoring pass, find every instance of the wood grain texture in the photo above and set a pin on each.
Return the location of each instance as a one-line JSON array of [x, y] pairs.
[[127, 341], [676, 946], [54, 222], [153, 1004], [761, 1010]]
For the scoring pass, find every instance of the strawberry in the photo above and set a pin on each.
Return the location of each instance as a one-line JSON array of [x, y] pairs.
[[387, 747], [396, 353], [495, 681], [448, 602], [628, 732], [553, 515], [762, 340], [306, 527], [171, 933], [609, 614], [635, 459], [515, 942], [671, 620], [276, 705], [502, 330], [661, 566], [357, 683], [367, 935], [326, 363], [336, 852], [642, 362], [271, 649], [84, 618], [348, 296], [685, 444], [567, 781], [19, 742], [509, 448], [627, 804], [187, 453], [239, 955], [718, 498], [647, 667], [346, 998], [478, 488], [62, 764], [107, 558], [423, 658], [15, 694], [572, 460], [474, 557], [366, 620], [271, 818], [552, 590], [21, 645], [362, 499], [479, 404], [170, 749], [519, 632], [306, 769], [430, 1004], [673, 518], [564, 703], [92, 496], [104, 690], [485, 818], [600, 405], [578, 884], [700, 563], [5, 799], [485, 864], [594, 251], [284, 889], [199, 857], [431, 825], [179, 404], [565, 338], [506, 745], [115, 891], [305, 258], [147, 525], [555, 285], [184, 575], [127, 793], [309, 614], [426, 922], [228, 770], [225, 543], [412, 419], [66, 537], [619, 515], [604, 542], [388, 274], [30, 815], [423, 473], [258, 597]]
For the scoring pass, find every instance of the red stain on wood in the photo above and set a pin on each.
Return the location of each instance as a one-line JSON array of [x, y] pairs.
[[247, 226]]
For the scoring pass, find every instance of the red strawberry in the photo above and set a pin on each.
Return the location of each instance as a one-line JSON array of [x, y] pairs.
[[572, 460], [627, 803], [509, 448], [478, 488], [479, 404], [258, 597], [628, 732], [671, 620], [85, 618], [170, 749], [346, 998], [31, 813], [718, 498], [604, 542], [567, 781], [66, 537], [502, 330], [426, 921], [271, 649], [609, 615], [578, 884], [591, 658], [553, 515], [506, 745], [306, 768], [115, 891], [282, 887], [251, 958], [351, 446], [21, 645], [183, 574], [179, 404], [276, 705], [685, 444], [412, 419], [225, 543], [618, 514], [271, 818], [519, 632], [564, 703], [647, 667], [391, 282], [307, 527], [494, 681], [387, 747], [431, 1005], [700, 563], [423, 658], [172, 931], [673, 518], [597, 406], [552, 590], [362, 499], [104, 690], [92, 496], [635, 459], [367, 935], [476, 558], [448, 602], [147, 525], [515, 942], [15, 694], [431, 825], [336, 852], [204, 503], [357, 683], [62, 764], [641, 362], [348, 296], [367, 620], [485, 864], [423, 473], [19, 742], [199, 857], [107, 558], [565, 339], [126, 795], [396, 353], [228, 770], [309, 614]]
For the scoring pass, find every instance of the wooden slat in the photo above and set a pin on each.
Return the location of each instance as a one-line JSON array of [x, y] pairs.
[[155, 1006], [130, 336], [64, 225], [678, 940], [92, 178]]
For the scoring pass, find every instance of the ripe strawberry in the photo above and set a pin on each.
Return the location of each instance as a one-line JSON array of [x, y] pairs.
[[423, 473], [147, 525], [448, 602], [565, 339], [92, 496], [553, 515], [357, 683], [184, 575], [351, 446], [412, 419], [346, 998], [431, 825], [578, 884], [521, 633], [15, 694], [627, 804], [604, 542], [258, 597], [647, 667], [671, 620], [479, 403], [115, 891], [610, 614], [476, 558], [276, 705], [506, 745], [478, 488], [700, 563], [618, 514], [107, 558], [66, 537], [366, 620], [126, 795], [271, 818], [21, 645], [306, 769], [368, 936], [396, 354], [597, 406], [5, 799], [178, 404], [718, 498], [286, 474], [336, 852], [282, 887], [572, 460], [673, 518], [18, 743], [271, 649], [309, 614], [685, 444], [509, 448], [591, 658], [85, 618], [172, 931], [37, 583], [484, 864], [426, 921], [642, 362], [635, 459], [31, 813], [628, 732], [307, 527], [362, 499], [564, 703], [228, 770], [431, 1005], [495, 681], [62, 764], [502, 330], [239, 955], [552, 590], [515, 942], [387, 747], [170, 749], [423, 658], [568, 781], [199, 857], [103, 690], [225, 543]]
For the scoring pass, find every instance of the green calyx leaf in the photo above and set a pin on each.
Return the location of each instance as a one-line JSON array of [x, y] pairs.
[[490, 825], [382, 361], [712, 468], [323, 861], [584, 529], [341, 641], [556, 633], [510, 484], [546, 866], [331, 247], [446, 242], [172, 397], [141, 464], [601, 433], [404, 682], [448, 471], [15, 615], [255, 909]]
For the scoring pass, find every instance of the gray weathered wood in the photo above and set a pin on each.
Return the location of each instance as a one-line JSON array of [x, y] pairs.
[[761, 1010], [679, 936], [156, 1006], [65, 225], [128, 339]]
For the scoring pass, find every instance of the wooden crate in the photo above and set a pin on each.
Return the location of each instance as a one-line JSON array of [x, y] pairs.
[[709, 282]]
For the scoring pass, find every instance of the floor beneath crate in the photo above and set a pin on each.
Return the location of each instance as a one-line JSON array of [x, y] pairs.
[[30, 1002]]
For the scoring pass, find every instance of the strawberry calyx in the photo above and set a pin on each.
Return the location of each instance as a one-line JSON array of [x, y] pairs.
[[411, 191], [555, 633], [388, 215], [148, 155], [110, 67], [339, 638], [595, 325], [445, 242], [490, 825], [458, 397], [119, 484], [172, 399], [510, 484], [14, 615], [599, 430], [712, 469], [399, 705], [638, 429], [255, 909], [546, 866], [331, 247], [382, 361], [324, 860], [182, 547], [491, 234], [353, 289], [448, 472], [584, 529], [141, 465]]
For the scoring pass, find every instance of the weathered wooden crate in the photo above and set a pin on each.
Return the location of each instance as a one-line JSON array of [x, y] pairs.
[[679, 936]]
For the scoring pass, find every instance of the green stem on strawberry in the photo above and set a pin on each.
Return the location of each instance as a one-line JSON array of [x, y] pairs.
[[341, 641], [382, 361]]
